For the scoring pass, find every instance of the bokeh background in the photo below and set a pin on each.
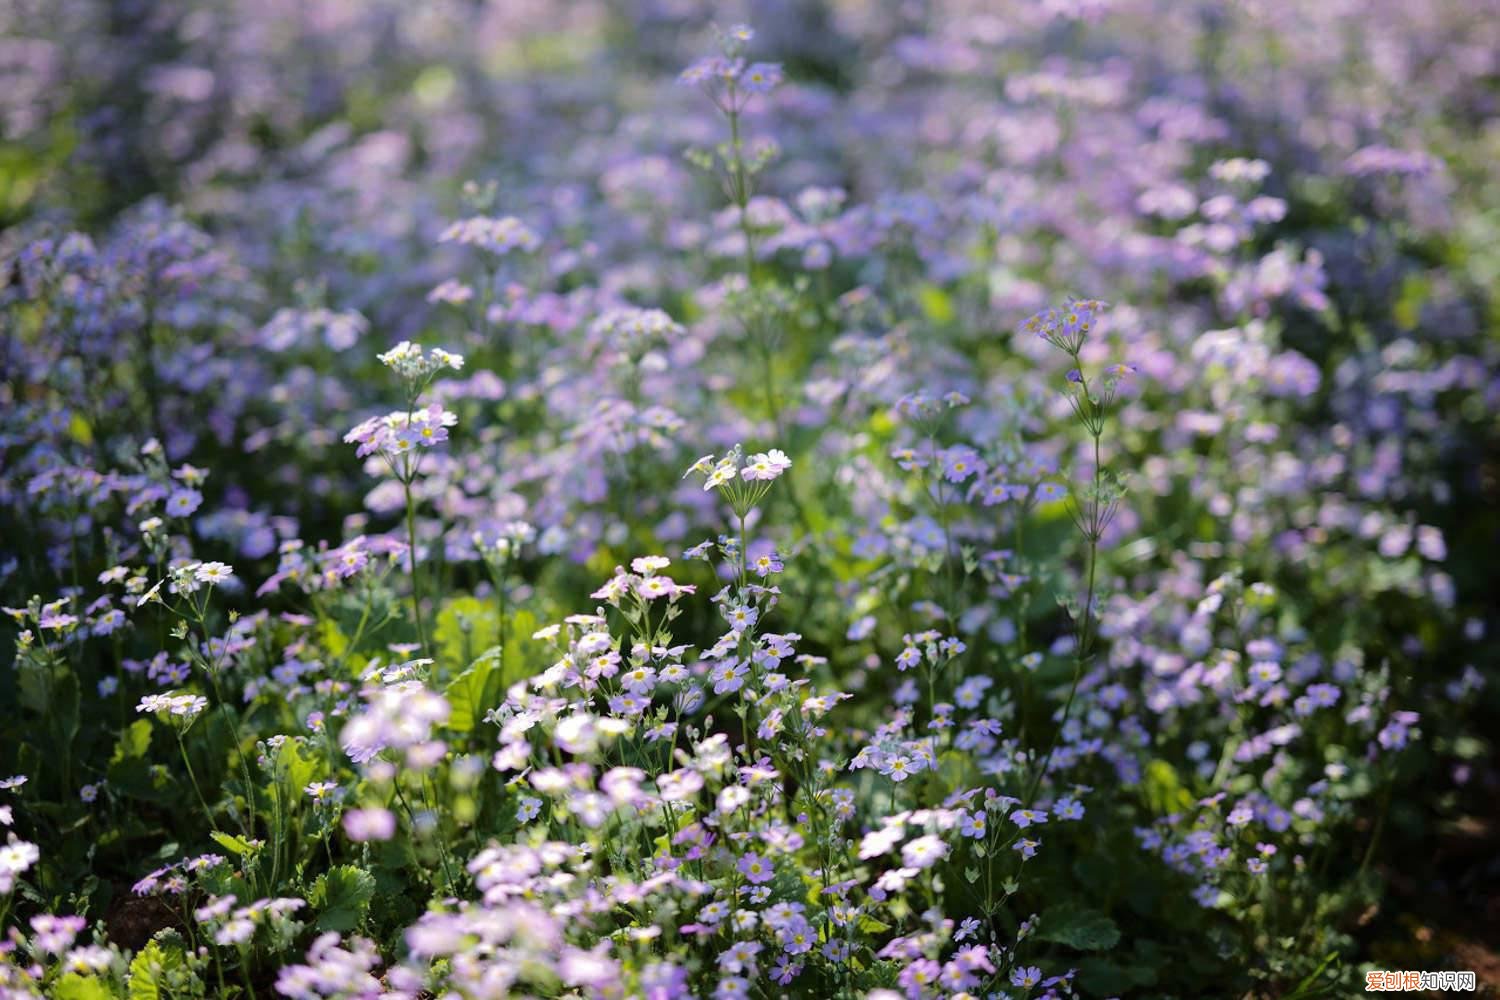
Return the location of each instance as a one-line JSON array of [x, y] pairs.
[[306, 154]]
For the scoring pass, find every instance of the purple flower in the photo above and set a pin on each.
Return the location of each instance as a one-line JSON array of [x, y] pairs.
[[761, 78], [756, 869], [363, 825], [1025, 976], [183, 502]]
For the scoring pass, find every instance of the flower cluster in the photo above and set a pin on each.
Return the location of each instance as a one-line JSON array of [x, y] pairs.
[[1140, 651]]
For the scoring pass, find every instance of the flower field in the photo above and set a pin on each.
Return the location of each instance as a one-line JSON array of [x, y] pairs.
[[813, 498]]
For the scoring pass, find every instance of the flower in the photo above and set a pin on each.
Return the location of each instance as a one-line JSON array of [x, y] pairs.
[[498, 236], [1025, 976], [761, 78], [408, 360], [16, 858], [1066, 327], [183, 708], [362, 825], [183, 502], [924, 852], [755, 869], [766, 466], [213, 572]]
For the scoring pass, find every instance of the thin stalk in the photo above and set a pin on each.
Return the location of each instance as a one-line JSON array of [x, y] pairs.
[[1084, 645], [207, 812], [416, 587]]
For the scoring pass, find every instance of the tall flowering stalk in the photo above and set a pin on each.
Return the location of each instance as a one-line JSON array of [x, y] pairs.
[[744, 483], [730, 83], [1067, 329], [399, 437]]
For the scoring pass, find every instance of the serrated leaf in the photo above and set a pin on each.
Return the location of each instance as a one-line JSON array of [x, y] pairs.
[[1083, 929], [155, 970], [73, 986], [343, 895]]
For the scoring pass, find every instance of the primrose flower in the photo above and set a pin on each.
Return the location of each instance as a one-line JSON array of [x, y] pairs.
[[408, 360], [213, 572], [722, 473], [180, 708], [16, 858], [766, 466], [761, 77], [755, 869], [498, 236], [184, 502], [1025, 977], [362, 825], [1066, 327], [321, 791], [401, 433], [54, 618], [633, 330]]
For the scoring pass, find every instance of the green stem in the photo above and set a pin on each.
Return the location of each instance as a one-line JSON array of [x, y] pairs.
[[416, 587], [1084, 644], [246, 822], [207, 812]]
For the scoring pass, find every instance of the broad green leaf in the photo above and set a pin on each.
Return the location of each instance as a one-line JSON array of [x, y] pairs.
[[134, 742], [1163, 788], [1084, 929], [334, 639], [1101, 977], [343, 896], [474, 692], [76, 987], [159, 971], [296, 765], [465, 626]]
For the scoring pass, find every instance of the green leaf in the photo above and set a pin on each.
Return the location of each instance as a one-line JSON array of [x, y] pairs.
[[296, 765], [1083, 929], [1163, 788], [524, 656], [158, 970], [1101, 977], [464, 626], [76, 987], [228, 841], [135, 742], [474, 692], [130, 766], [334, 640], [343, 895], [936, 304]]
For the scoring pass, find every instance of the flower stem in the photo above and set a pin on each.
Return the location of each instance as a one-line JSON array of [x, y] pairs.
[[207, 812], [416, 587], [1083, 647]]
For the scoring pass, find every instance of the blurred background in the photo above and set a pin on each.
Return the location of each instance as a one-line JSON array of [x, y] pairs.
[[321, 145]]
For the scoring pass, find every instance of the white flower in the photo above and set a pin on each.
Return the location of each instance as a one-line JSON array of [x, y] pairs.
[[213, 572], [18, 856], [767, 465]]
